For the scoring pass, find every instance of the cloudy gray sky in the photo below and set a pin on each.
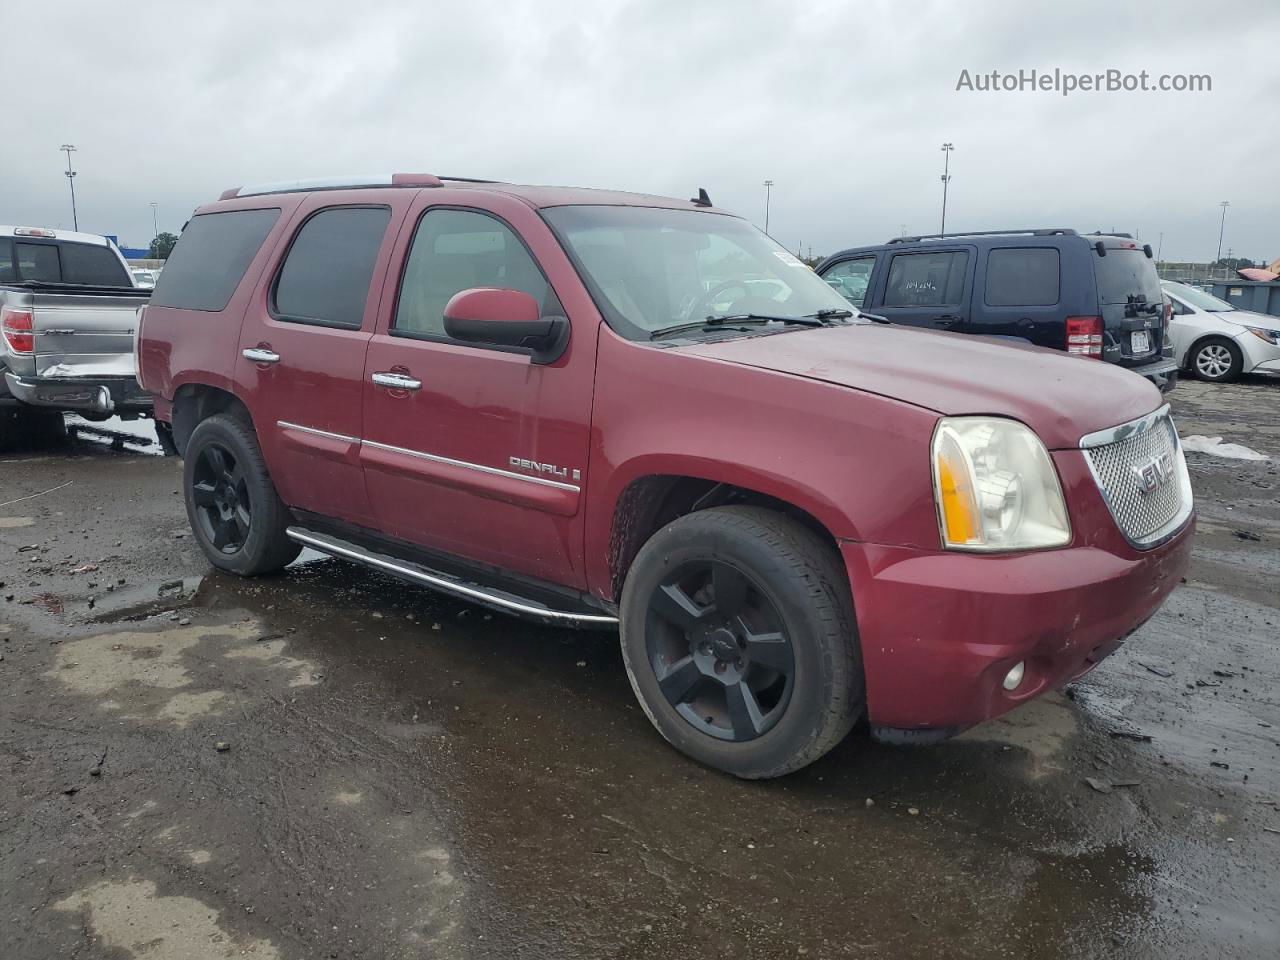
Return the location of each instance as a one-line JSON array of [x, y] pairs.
[[843, 105]]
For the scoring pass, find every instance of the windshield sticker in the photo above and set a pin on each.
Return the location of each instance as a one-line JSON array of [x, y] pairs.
[[787, 258]]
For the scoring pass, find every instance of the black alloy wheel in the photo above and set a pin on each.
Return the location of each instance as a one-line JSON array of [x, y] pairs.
[[220, 493], [720, 651]]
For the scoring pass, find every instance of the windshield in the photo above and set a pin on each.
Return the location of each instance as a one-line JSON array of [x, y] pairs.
[[1198, 298], [651, 268]]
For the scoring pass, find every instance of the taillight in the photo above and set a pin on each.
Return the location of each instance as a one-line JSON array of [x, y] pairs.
[[1168, 314], [16, 326], [137, 344], [1084, 336]]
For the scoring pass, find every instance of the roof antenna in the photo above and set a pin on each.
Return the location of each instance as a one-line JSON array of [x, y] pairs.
[[701, 200]]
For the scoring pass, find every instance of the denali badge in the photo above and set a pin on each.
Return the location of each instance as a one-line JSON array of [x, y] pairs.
[[560, 473], [1155, 473]]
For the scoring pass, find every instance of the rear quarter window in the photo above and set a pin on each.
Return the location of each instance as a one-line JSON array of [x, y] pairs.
[[210, 259], [1024, 277]]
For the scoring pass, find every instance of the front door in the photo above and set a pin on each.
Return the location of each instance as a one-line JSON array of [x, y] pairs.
[[302, 350], [475, 451]]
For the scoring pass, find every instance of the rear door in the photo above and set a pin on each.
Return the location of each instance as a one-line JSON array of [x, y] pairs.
[[927, 288], [470, 450], [1019, 295], [1131, 302], [302, 348]]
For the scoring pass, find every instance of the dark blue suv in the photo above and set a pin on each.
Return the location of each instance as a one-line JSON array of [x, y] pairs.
[[1094, 295]]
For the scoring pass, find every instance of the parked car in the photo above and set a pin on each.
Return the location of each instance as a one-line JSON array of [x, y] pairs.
[[525, 396], [144, 278], [1095, 296], [68, 308], [1215, 341]]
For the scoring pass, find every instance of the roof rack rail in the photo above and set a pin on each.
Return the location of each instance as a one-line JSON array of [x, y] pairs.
[[1110, 233], [354, 182], [1043, 232]]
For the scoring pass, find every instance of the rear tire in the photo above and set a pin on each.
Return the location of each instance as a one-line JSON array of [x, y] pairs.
[[739, 639], [235, 513], [1216, 360]]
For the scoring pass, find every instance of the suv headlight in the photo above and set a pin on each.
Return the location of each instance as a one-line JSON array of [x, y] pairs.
[[996, 487]]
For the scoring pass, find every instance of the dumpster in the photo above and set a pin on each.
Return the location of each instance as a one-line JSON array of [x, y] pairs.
[[1249, 295]]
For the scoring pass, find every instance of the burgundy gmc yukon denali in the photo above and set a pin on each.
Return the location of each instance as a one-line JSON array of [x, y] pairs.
[[606, 409]]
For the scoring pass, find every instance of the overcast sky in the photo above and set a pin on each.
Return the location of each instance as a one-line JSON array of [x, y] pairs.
[[843, 105]]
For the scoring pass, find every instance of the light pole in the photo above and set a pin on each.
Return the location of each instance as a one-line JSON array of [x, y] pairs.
[[946, 179], [768, 192], [1160, 248], [68, 149], [155, 223], [1221, 227]]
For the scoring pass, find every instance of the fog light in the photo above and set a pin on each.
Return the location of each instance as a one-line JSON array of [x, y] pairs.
[[1014, 676]]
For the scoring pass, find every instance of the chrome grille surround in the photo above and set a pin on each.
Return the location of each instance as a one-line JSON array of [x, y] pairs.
[[1117, 457]]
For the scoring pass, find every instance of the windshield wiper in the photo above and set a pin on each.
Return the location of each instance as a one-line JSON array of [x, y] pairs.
[[831, 313], [725, 320]]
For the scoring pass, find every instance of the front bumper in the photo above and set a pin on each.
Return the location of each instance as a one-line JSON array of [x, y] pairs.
[[100, 395], [939, 630]]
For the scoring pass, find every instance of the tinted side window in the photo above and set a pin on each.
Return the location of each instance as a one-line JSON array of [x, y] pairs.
[[6, 261], [456, 250], [210, 259], [1027, 277], [87, 263], [325, 276], [926, 279], [850, 278]]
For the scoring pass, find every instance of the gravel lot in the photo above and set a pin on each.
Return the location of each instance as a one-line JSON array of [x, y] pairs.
[[330, 764]]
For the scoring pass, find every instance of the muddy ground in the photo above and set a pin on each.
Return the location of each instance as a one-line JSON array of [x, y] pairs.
[[330, 764]]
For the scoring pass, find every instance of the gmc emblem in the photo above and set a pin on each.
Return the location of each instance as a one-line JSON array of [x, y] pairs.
[[1155, 473]]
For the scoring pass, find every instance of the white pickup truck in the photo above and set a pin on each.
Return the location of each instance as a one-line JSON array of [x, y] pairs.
[[68, 310]]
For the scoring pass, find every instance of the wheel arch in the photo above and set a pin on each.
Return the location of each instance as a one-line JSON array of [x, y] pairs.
[[195, 402], [650, 501], [1201, 340]]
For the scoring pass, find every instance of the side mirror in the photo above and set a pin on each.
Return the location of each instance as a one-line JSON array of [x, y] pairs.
[[505, 318]]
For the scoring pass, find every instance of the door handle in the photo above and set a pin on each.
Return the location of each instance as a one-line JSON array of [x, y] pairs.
[[396, 381], [260, 355], [946, 320]]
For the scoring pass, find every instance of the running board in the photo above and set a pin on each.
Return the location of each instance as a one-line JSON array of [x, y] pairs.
[[446, 583]]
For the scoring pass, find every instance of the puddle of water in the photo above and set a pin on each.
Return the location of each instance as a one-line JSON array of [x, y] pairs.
[[146, 672], [131, 916]]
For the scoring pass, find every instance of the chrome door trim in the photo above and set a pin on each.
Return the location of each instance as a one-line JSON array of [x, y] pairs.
[[479, 468], [286, 425], [260, 355], [351, 552]]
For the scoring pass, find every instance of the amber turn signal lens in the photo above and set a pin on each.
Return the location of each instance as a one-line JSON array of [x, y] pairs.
[[960, 519]]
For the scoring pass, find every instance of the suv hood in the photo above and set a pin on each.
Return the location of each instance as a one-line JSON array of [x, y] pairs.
[[1059, 396]]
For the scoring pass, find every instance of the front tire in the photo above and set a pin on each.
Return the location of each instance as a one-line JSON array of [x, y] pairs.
[[739, 640], [235, 513], [1216, 360]]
